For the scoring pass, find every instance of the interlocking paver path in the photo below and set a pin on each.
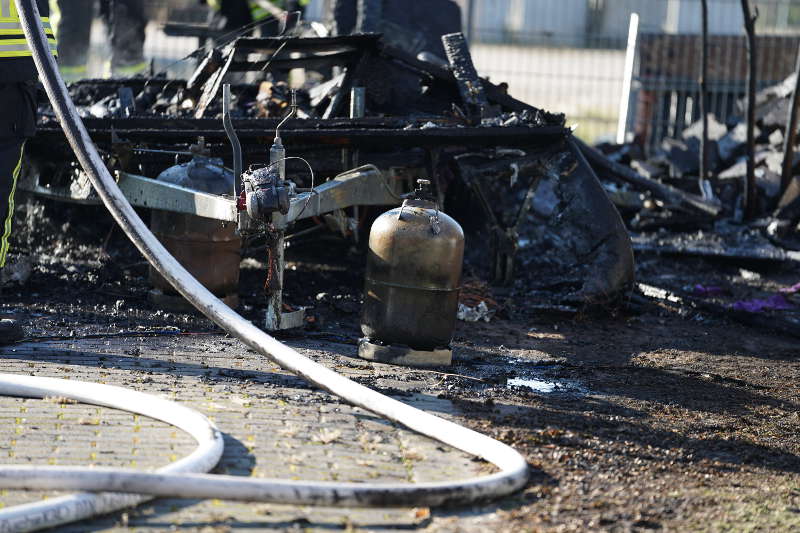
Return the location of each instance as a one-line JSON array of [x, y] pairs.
[[275, 425]]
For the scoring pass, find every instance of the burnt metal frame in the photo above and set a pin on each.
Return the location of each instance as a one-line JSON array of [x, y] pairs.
[[361, 188], [355, 187], [283, 54], [140, 192], [337, 132]]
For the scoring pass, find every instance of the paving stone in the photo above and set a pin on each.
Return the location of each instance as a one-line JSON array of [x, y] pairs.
[[275, 425]]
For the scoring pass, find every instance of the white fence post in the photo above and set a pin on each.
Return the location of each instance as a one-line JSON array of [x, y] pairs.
[[627, 78]]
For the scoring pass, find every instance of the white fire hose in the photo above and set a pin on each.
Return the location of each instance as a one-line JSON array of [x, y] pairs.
[[185, 478]]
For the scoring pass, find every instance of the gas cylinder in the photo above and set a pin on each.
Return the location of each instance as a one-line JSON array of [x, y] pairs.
[[209, 249], [412, 282]]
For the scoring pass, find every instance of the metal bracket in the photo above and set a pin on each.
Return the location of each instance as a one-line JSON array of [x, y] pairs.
[[146, 192], [361, 186], [140, 192]]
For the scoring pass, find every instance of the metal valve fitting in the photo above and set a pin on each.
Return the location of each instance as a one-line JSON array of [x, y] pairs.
[[266, 193]]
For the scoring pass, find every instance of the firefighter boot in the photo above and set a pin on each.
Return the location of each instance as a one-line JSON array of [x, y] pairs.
[[10, 331]]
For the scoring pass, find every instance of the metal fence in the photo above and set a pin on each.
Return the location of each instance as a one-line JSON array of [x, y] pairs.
[[570, 55], [665, 94]]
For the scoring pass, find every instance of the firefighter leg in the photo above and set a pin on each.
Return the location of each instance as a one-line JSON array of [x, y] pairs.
[[127, 22], [17, 123], [74, 35], [236, 14], [10, 164]]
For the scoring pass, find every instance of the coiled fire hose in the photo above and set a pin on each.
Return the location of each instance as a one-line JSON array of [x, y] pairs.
[[175, 480]]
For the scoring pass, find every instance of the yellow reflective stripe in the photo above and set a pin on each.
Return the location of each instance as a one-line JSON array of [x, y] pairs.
[[22, 50], [80, 69], [131, 69], [13, 55], [22, 40], [15, 20], [11, 43], [258, 13], [7, 226], [10, 24], [21, 35]]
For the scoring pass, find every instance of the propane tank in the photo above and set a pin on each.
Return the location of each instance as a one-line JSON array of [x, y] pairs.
[[209, 249], [412, 284]]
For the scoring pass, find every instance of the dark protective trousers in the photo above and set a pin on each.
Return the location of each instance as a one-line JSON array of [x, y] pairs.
[[17, 123], [235, 14], [126, 22]]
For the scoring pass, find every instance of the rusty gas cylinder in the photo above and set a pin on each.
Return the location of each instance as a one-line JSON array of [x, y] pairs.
[[413, 276], [209, 249]]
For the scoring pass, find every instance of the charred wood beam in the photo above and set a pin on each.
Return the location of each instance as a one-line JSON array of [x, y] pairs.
[[791, 131], [338, 98], [210, 64], [750, 199], [472, 93], [680, 246], [350, 133], [168, 124], [670, 195], [356, 67], [684, 301], [212, 86], [98, 86], [495, 94]]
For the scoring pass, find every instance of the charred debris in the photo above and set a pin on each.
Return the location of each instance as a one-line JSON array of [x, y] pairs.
[[545, 214], [715, 223]]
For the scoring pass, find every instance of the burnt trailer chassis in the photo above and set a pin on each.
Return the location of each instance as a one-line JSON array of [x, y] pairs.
[[480, 140]]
